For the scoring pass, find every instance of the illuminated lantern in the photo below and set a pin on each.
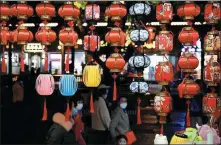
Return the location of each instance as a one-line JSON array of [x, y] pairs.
[[212, 73], [116, 37], [188, 89], [68, 11], [45, 35], [116, 11], [152, 34], [164, 42], [164, 12], [164, 73], [115, 62], [92, 12], [140, 35], [4, 35], [188, 62], [21, 10], [188, 36], [4, 11], [212, 12], [45, 10], [188, 11], [212, 42], [210, 103], [140, 9], [68, 36]]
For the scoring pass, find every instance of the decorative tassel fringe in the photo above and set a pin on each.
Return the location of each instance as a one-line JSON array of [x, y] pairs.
[[67, 113], [188, 114], [161, 129], [67, 61], [46, 63], [91, 104], [45, 114], [22, 63], [115, 91], [3, 63], [138, 112]]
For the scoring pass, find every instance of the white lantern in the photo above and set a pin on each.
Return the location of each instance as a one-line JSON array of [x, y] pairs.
[[139, 87], [140, 9], [139, 35], [139, 61]]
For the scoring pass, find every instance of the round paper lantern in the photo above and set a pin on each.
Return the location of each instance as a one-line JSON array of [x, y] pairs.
[[140, 35], [45, 10], [115, 62], [68, 36], [188, 11], [116, 11], [4, 11], [188, 62], [140, 9], [188, 36], [45, 35], [152, 34], [139, 87], [139, 62], [21, 10], [4, 35], [210, 103], [21, 35], [92, 12], [91, 42], [164, 12], [116, 37], [164, 42], [164, 73], [212, 42], [212, 12], [212, 73], [68, 11], [188, 89]]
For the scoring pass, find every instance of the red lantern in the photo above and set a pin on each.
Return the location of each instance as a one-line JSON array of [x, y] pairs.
[[45, 35], [188, 88], [152, 34], [91, 42], [116, 11], [210, 103], [164, 42], [188, 36], [116, 37], [188, 62], [188, 11], [21, 35], [4, 11], [68, 11], [92, 12], [45, 10], [115, 62], [164, 73], [212, 42], [68, 36], [212, 73], [212, 12], [4, 35], [164, 12], [22, 10]]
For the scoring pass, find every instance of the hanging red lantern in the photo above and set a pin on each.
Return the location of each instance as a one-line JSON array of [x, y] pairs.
[[212, 73], [91, 42], [164, 12], [45, 10], [164, 73], [92, 12], [68, 11], [45, 35], [4, 35], [188, 36], [164, 42], [212, 42], [188, 62], [212, 12], [21, 10], [116, 11], [210, 103], [4, 11], [116, 37], [188, 11]]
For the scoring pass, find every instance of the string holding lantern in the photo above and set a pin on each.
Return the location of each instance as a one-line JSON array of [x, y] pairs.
[[45, 10], [4, 11], [164, 12], [212, 12], [188, 36], [212, 42], [91, 41], [68, 11]]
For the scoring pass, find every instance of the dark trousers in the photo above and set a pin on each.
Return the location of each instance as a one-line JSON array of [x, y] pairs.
[[194, 120], [99, 137]]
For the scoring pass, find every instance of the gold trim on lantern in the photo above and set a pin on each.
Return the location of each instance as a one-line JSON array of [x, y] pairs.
[[164, 83], [4, 17], [211, 95], [68, 3], [115, 70], [115, 18], [211, 83], [164, 32], [187, 28], [162, 63], [4, 28], [188, 96], [22, 42], [188, 70], [21, 27], [188, 54], [115, 54], [22, 2], [68, 18], [45, 17], [188, 17]]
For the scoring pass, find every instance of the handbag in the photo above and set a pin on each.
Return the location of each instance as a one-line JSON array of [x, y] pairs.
[[131, 138]]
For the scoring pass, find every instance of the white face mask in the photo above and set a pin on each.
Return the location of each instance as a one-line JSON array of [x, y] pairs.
[[105, 96], [79, 106], [123, 105]]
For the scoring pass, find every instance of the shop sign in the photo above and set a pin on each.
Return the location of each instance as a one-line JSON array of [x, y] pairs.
[[34, 47]]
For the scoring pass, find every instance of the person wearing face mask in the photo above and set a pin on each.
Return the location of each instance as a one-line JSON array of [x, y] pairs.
[[121, 140], [101, 117], [120, 124]]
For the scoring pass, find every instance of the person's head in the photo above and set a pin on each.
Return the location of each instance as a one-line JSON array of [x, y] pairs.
[[102, 93], [77, 101], [121, 140], [123, 103]]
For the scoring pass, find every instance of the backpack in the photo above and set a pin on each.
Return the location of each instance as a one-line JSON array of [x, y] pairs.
[[195, 107], [45, 84], [18, 91], [91, 76], [68, 85]]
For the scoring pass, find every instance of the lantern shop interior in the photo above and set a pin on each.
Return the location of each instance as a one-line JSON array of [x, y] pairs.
[[159, 55]]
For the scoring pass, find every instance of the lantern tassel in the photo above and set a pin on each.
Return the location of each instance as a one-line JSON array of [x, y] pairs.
[[22, 63], [46, 63], [161, 129], [138, 112], [67, 113], [67, 62], [3, 61], [208, 73], [91, 103], [188, 114], [115, 91], [45, 114]]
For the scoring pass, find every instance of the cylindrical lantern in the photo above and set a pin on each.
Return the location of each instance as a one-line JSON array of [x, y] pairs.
[[68, 36], [116, 37], [116, 11], [164, 73], [45, 35], [188, 36], [152, 34], [210, 103], [115, 62], [188, 89], [68, 11], [164, 42], [4, 35], [164, 12], [139, 62], [140, 9], [188, 62], [140, 35], [139, 87], [212, 12], [91, 42], [45, 10], [212, 42], [4, 11], [188, 11], [21, 10], [92, 12], [212, 73]]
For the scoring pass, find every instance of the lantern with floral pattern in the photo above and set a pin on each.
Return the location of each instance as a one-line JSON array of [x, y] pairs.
[[212, 73], [188, 36], [188, 62], [212, 12], [140, 9], [45, 10], [164, 12], [139, 62], [92, 12], [212, 42], [68, 11], [210, 103], [139, 35], [188, 11], [139, 87], [116, 11], [21, 10], [164, 42]]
